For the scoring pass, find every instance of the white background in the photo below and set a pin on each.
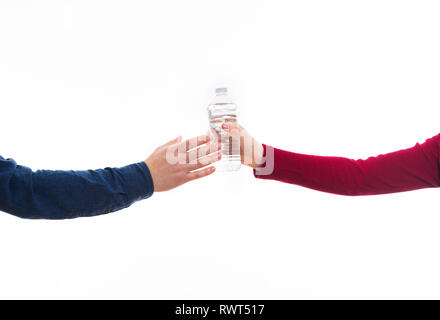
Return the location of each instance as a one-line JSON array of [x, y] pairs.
[[88, 84]]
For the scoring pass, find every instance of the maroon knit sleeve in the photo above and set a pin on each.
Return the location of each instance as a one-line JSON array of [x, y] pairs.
[[403, 170]]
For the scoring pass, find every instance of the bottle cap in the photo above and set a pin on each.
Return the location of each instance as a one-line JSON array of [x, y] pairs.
[[221, 91]]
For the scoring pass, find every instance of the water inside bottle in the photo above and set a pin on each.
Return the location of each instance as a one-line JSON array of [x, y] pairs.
[[223, 110]]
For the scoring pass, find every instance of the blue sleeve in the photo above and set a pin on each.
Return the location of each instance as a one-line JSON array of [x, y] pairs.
[[47, 194]]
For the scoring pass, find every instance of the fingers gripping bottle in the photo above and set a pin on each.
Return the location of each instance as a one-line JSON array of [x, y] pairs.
[[223, 110]]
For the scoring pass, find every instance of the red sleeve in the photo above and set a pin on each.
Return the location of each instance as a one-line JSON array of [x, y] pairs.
[[403, 170]]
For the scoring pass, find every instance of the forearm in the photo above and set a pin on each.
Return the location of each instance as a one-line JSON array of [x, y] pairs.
[[48, 194], [404, 170]]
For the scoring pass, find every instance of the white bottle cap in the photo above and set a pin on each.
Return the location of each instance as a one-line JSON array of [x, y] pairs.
[[221, 91]]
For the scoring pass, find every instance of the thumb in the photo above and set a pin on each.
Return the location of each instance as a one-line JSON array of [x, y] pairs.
[[175, 140]]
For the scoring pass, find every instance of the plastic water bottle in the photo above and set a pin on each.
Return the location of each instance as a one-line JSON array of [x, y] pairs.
[[223, 110]]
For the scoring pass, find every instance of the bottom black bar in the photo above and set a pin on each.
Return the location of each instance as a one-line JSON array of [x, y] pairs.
[[222, 309]]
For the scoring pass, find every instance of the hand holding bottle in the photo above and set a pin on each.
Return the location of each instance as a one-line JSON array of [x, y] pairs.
[[251, 150]]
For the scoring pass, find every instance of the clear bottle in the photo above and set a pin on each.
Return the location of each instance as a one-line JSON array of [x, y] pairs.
[[223, 110]]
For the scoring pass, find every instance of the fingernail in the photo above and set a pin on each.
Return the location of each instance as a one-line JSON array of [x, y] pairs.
[[208, 138], [225, 126], [211, 169]]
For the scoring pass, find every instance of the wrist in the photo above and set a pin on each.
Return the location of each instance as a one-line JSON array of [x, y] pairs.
[[258, 160]]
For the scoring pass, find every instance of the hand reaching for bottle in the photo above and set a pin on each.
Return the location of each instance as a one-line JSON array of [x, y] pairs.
[[251, 150], [177, 162]]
